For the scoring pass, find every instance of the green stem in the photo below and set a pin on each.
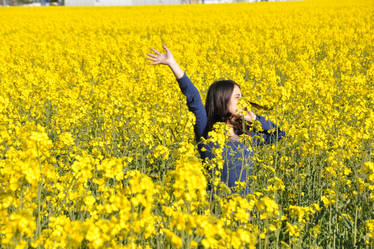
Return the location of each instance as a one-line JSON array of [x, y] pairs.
[[38, 226], [355, 229]]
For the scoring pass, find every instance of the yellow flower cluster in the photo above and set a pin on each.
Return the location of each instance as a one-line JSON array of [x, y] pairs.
[[97, 147]]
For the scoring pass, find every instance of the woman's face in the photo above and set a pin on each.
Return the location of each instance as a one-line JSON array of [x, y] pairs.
[[235, 96]]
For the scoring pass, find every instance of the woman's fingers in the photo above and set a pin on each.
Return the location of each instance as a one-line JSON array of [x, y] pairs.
[[166, 48], [152, 55], [155, 61], [158, 58], [151, 58], [154, 50]]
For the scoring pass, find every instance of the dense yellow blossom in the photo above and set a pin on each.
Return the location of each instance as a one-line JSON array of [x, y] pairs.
[[97, 147]]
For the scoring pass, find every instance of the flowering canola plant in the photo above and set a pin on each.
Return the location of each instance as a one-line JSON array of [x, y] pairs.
[[97, 147]]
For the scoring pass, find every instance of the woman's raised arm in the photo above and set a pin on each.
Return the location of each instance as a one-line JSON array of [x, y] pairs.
[[194, 102]]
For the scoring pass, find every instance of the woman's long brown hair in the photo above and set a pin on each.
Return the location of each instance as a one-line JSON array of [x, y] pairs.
[[218, 96]]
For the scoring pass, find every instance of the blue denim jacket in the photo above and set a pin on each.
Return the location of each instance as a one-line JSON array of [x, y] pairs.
[[237, 156]]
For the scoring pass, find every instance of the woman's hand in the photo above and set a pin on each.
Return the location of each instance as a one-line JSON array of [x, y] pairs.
[[159, 58], [251, 117], [166, 59]]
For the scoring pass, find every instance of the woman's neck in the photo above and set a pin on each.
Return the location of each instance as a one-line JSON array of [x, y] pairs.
[[233, 137]]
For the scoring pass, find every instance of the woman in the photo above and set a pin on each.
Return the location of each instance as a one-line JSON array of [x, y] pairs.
[[222, 106]]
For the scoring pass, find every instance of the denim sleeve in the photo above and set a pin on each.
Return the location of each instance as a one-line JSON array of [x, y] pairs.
[[195, 105], [266, 136]]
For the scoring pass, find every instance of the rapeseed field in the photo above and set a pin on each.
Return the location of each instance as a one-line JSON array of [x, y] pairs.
[[98, 149]]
